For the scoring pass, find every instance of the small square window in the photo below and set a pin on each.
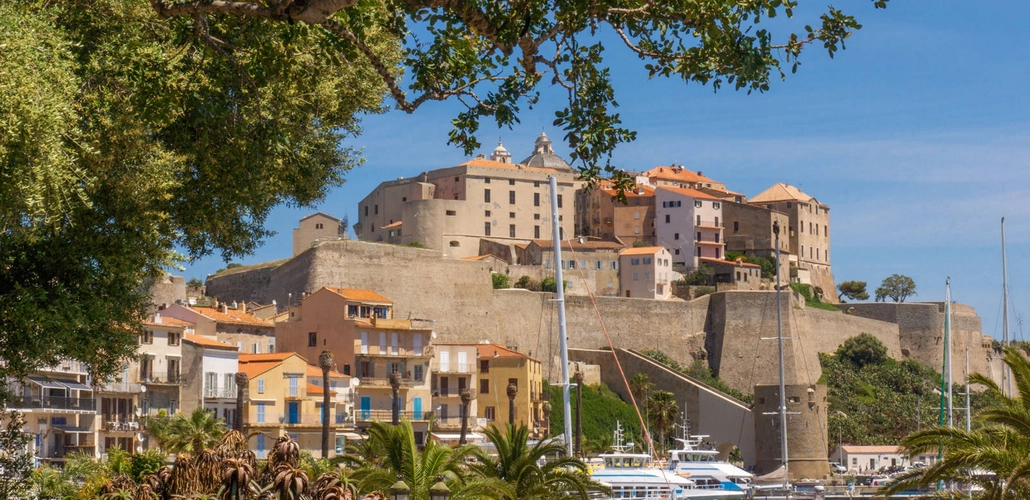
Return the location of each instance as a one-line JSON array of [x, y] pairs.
[[487, 213], [511, 182], [486, 180], [511, 215]]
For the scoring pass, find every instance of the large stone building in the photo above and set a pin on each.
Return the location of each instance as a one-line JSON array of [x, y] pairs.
[[317, 227], [625, 222], [808, 234], [451, 209]]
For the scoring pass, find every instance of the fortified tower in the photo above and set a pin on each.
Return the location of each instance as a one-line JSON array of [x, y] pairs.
[[806, 430]]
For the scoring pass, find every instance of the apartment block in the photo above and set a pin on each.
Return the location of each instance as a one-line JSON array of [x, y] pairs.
[[499, 367], [61, 411], [229, 323], [646, 273], [690, 224], [209, 371], [455, 369], [597, 260]]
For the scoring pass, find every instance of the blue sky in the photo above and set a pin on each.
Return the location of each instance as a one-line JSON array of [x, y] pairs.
[[916, 136]]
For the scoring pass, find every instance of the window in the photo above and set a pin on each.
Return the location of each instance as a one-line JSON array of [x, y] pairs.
[[173, 338], [615, 265], [454, 244], [636, 214], [457, 179], [716, 205], [484, 386], [490, 413], [536, 184], [647, 276], [261, 413], [647, 260], [318, 226], [802, 226], [147, 337], [486, 180], [559, 201], [511, 215], [366, 210], [736, 226], [536, 216], [677, 251], [511, 230], [487, 213], [486, 195], [826, 231], [294, 386], [419, 373], [486, 229], [676, 236], [668, 218], [511, 182], [635, 262], [484, 366], [254, 348], [511, 197], [377, 209], [697, 203], [230, 383], [451, 213], [536, 232], [598, 265], [261, 386], [636, 229], [312, 339], [635, 277], [536, 199]]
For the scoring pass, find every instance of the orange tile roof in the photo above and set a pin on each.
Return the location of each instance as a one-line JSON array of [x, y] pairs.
[[641, 251], [638, 191], [486, 351], [586, 244], [781, 192], [689, 192], [677, 174], [358, 294], [169, 322], [314, 390], [477, 257], [729, 262], [480, 162], [256, 364], [232, 316], [314, 371], [207, 342], [389, 226]]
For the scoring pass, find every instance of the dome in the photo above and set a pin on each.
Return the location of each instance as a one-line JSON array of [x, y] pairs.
[[543, 155], [500, 154]]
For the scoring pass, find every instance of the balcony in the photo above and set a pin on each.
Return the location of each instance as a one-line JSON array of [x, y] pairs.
[[112, 423], [163, 378], [402, 352], [299, 420], [451, 393], [219, 392], [710, 241], [53, 403], [709, 223], [460, 369], [384, 382], [120, 387], [387, 415]]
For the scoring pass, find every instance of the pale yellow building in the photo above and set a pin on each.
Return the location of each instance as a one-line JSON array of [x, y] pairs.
[[60, 410], [499, 367], [646, 273], [315, 228], [451, 209], [281, 401], [808, 232]]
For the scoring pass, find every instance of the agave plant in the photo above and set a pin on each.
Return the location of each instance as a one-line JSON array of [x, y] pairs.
[[119, 487], [183, 481], [209, 470], [286, 451], [336, 493], [236, 475], [290, 482], [233, 443], [145, 492], [335, 486]]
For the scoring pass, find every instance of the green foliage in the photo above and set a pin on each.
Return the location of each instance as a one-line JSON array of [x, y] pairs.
[[702, 276], [701, 291], [896, 287], [640, 244], [768, 264], [186, 433], [527, 283], [662, 411], [501, 280], [194, 283], [548, 285], [415, 244], [853, 290], [601, 409], [861, 350], [15, 459], [699, 370], [145, 463], [812, 297]]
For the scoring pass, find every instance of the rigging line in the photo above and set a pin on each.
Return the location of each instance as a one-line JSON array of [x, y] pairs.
[[618, 364], [795, 330], [751, 376]]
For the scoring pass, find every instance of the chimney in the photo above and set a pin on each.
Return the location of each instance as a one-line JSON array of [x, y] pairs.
[[157, 318], [700, 174], [225, 308], [243, 307], [235, 305]]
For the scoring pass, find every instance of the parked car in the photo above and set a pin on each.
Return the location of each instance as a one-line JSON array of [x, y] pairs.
[[837, 468]]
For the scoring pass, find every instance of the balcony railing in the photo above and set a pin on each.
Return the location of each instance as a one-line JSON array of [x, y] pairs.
[[709, 241], [220, 392], [402, 352], [161, 378], [123, 386], [406, 382], [452, 392], [299, 419], [115, 424], [54, 403], [467, 368], [710, 223], [387, 415], [453, 422]]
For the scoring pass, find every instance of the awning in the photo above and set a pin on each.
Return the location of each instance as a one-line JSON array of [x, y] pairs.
[[351, 436], [449, 436], [68, 429], [46, 384], [76, 385]]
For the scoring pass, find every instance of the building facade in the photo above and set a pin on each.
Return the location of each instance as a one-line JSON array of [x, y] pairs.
[[455, 368], [61, 412], [690, 225], [626, 222], [646, 273], [229, 323], [499, 367], [209, 371], [314, 228]]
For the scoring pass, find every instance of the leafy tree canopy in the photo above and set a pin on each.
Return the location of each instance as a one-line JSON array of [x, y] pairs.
[[131, 128], [897, 287], [862, 349], [853, 290]]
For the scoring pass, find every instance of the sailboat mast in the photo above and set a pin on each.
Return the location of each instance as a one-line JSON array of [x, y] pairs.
[[783, 393], [559, 286], [941, 415], [1006, 383], [967, 391], [947, 335]]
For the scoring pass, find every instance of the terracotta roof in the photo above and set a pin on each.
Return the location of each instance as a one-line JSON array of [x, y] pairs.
[[314, 390], [641, 251], [477, 257], [314, 371], [481, 162], [487, 351], [781, 192], [320, 213], [390, 226], [678, 174], [169, 322], [689, 192], [207, 342], [729, 262], [586, 244], [358, 294], [638, 191], [256, 364], [232, 316], [872, 449]]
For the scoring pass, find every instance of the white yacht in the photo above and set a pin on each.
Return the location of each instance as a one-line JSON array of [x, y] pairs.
[[634, 475], [701, 464]]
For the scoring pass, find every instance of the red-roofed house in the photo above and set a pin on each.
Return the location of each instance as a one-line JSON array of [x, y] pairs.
[[742, 275], [209, 368], [627, 223], [677, 176], [689, 224], [229, 323], [646, 273]]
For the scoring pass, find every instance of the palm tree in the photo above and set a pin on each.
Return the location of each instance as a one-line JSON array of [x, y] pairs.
[[192, 434], [519, 465], [662, 410], [999, 446], [466, 399], [237, 473], [641, 386], [420, 469], [325, 362]]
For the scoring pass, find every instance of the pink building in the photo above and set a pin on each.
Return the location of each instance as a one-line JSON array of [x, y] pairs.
[[690, 224]]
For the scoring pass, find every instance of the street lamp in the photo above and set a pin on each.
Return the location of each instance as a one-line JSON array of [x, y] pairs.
[[400, 490], [439, 491]]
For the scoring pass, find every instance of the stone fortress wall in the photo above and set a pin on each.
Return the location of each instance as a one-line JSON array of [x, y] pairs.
[[726, 329]]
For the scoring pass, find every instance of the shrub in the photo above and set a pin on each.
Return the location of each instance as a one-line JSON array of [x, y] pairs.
[[145, 463], [501, 280], [527, 283], [415, 244], [548, 285], [811, 297], [701, 291]]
